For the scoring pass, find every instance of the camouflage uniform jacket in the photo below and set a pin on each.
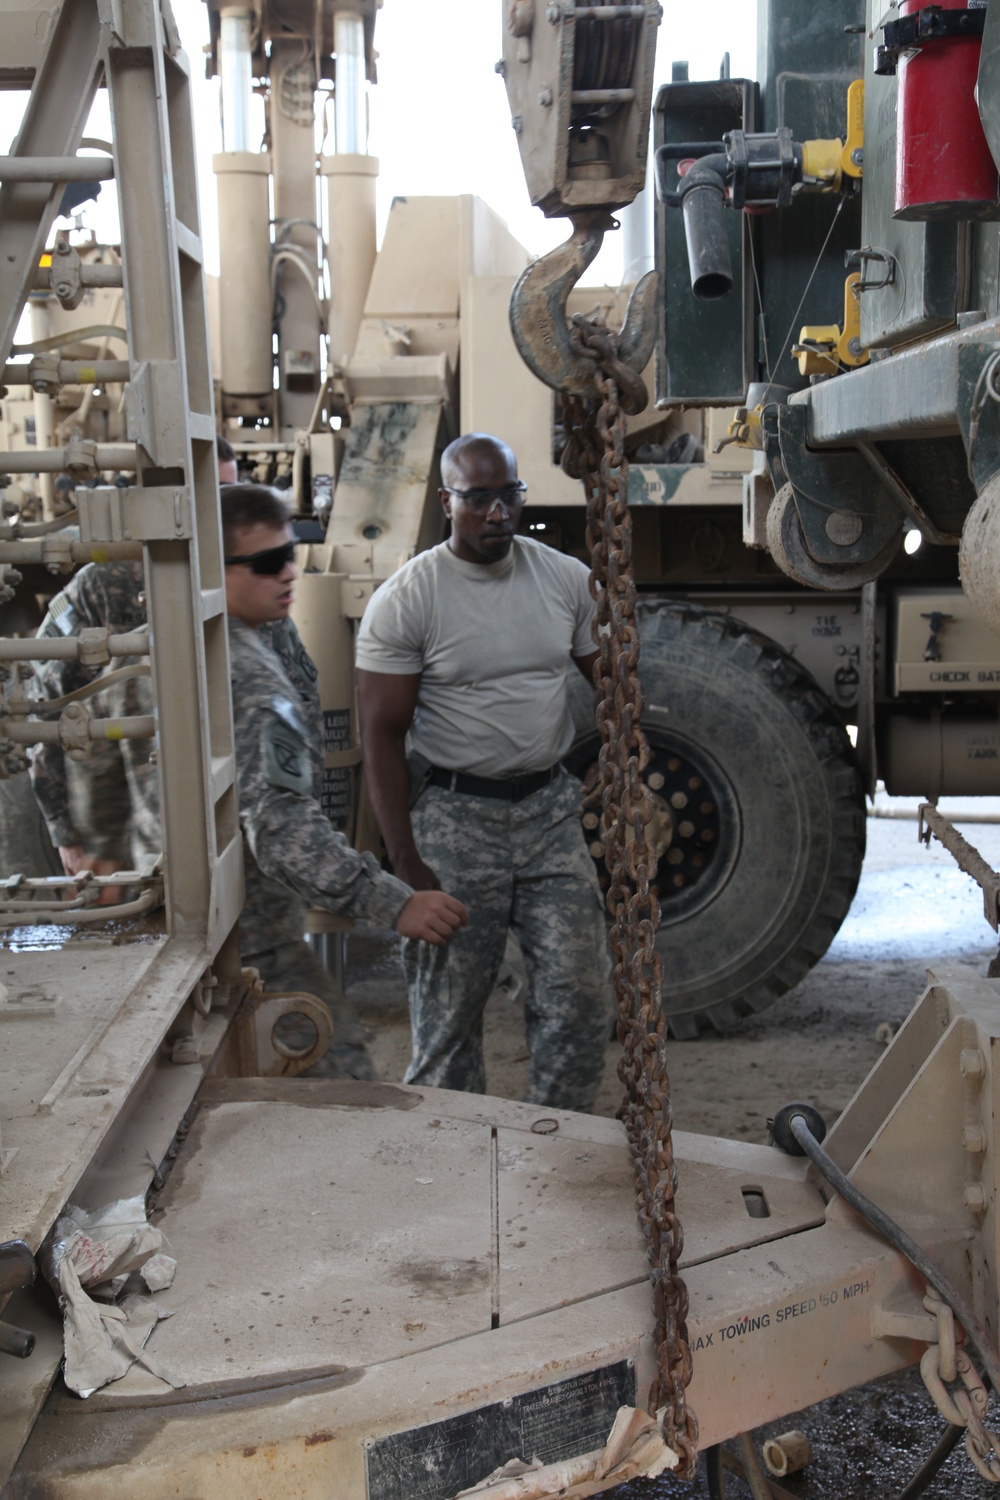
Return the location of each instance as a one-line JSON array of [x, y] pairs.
[[99, 595], [293, 855], [119, 781]]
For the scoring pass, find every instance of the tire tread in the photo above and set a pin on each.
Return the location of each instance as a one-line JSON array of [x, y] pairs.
[[801, 695]]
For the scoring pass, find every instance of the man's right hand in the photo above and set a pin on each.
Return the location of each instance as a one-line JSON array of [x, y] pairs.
[[74, 859], [431, 917]]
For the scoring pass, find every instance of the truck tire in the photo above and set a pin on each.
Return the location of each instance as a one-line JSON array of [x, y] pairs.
[[760, 814]]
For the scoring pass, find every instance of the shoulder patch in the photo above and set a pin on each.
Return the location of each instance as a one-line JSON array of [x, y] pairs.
[[286, 757], [62, 616]]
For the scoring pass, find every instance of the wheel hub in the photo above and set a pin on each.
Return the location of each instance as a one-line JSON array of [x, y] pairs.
[[685, 832]]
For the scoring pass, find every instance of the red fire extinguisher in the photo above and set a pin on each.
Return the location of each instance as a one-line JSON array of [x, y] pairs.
[[944, 169]]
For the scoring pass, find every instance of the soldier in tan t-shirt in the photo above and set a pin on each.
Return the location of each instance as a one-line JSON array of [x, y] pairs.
[[463, 663]]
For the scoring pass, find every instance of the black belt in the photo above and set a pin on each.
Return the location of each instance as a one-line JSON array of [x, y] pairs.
[[510, 788]]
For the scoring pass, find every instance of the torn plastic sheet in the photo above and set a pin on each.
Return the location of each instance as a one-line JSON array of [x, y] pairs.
[[635, 1450], [87, 1259]]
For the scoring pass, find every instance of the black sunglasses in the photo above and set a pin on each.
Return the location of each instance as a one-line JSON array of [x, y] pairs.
[[266, 564]]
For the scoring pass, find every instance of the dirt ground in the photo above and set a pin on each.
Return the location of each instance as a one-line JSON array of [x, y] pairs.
[[914, 908]]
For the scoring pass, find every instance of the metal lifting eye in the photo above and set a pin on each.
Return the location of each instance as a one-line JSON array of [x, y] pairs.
[[543, 333]]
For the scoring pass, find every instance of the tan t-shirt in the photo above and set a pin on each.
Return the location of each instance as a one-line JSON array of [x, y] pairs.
[[492, 643]]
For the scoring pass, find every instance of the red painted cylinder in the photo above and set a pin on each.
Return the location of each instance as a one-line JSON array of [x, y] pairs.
[[944, 170]]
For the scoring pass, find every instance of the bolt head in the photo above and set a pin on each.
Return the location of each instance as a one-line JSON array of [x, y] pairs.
[[500, 67], [553, 15], [972, 1063], [973, 1139], [975, 1197], [858, 156], [545, 98], [517, 124], [844, 527]]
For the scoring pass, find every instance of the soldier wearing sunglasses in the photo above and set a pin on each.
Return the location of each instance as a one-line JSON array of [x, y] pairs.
[[464, 657], [293, 855]]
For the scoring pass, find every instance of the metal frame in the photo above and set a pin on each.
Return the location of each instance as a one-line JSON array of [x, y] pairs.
[[102, 1058], [171, 418]]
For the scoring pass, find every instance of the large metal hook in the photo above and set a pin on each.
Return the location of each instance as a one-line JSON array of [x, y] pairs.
[[544, 336]]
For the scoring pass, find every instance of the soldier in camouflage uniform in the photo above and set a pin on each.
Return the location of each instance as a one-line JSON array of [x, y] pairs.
[[464, 655], [88, 810], [103, 813], [293, 855]]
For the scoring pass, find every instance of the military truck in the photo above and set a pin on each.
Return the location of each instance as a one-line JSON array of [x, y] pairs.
[[846, 668], [780, 681], [826, 273], [381, 1291]]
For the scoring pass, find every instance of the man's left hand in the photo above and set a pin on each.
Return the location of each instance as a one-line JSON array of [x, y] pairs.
[[431, 917]]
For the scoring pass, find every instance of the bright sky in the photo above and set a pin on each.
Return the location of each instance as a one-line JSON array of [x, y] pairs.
[[439, 117]]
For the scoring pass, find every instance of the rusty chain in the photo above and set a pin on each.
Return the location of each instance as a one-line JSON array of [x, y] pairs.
[[944, 1365], [595, 453]]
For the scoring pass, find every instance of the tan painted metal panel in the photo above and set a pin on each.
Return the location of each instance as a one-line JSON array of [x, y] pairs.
[[417, 273], [337, 1266], [968, 652], [566, 1221], [26, 25], [309, 1440], [67, 1077]]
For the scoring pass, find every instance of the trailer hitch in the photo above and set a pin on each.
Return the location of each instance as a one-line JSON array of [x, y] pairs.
[[551, 345]]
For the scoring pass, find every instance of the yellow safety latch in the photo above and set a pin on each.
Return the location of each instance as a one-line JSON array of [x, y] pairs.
[[852, 158], [825, 164], [744, 430], [826, 348]]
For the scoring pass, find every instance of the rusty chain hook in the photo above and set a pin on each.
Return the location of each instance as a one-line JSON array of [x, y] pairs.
[[557, 350]]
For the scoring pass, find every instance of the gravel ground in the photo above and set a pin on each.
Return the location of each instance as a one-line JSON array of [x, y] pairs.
[[914, 908]]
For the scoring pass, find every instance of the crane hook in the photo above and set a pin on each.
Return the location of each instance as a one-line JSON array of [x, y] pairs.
[[544, 337]]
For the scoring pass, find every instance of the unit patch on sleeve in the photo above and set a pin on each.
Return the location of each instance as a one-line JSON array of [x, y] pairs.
[[286, 758]]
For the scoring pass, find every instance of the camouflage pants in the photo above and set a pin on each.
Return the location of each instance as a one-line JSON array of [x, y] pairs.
[[99, 801], [294, 967], [522, 865], [25, 846]]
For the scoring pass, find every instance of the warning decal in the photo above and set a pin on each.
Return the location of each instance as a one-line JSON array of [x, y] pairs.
[[558, 1421]]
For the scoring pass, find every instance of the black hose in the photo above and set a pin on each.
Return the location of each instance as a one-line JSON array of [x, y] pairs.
[[702, 197], [678, 150], [902, 1242], [714, 1474], [19, 1342], [932, 1463]]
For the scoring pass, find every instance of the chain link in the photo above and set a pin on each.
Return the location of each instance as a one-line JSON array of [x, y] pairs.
[[595, 453], [942, 1365]]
